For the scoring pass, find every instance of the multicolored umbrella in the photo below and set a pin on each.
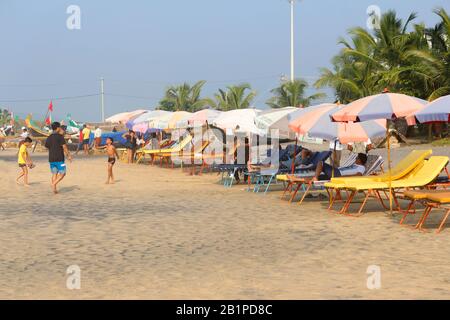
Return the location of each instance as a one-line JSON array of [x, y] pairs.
[[179, 119], [316, 122], [140, 123], [169, 120], [123, 117], [276, 119], [203, 117], [436, 111], [389, 106], [381, 106]]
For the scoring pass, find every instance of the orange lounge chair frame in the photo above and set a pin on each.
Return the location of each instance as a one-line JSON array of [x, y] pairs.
[[375, 193]]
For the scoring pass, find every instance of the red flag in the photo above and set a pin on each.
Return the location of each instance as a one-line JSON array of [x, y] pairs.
[[48, 120], [50, 106]]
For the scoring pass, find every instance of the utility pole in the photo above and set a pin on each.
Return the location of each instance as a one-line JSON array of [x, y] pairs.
[[102, 93], [292, 40]]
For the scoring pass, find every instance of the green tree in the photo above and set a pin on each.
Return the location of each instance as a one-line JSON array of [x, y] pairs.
[[185, 97], [292, 94], [390, 56], [439, 59], [234, 97], [5, 117]]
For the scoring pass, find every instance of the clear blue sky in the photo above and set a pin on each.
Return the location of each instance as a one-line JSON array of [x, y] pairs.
[[142, 46]]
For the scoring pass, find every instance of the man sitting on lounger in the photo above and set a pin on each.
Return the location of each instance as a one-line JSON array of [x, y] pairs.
[[357, 169]]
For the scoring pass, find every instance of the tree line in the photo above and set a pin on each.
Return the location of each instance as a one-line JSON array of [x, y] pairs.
[[400, 55]]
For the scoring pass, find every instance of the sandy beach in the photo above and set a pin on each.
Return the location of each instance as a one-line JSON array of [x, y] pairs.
[[162, 234]]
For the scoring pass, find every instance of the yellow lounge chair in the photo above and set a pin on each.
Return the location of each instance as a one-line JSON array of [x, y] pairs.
[[405, 166], [177, 147], [413, 160], [422, 176], [165, 144], [440, 201], [189, 158], [422, 197]]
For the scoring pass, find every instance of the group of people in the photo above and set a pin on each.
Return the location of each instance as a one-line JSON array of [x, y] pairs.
[[58, 152], [85, 138]]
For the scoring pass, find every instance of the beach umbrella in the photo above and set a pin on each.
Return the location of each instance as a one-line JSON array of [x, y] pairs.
[[203, 117], [168, 120], [179, 119], [436, 111], [123, 117], [389, 106], [317, 123], [140, 123], [276, 119], [239, 120]]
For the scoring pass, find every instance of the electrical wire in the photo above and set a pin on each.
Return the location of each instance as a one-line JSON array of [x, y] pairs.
[[48, 99]]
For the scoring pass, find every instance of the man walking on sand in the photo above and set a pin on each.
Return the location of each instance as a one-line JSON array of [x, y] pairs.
[[57, 148]]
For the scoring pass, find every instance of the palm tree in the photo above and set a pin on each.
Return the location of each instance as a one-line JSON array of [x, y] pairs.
[[5, 117], [234, 97], [292, 94], [388, 57], [439, 38], [184, 97]]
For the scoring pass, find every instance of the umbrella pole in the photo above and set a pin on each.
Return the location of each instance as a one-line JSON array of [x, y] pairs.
[[388, 145], [332, 171], [295, 155]]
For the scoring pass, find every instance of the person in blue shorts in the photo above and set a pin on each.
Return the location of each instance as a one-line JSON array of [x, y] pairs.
[[57, 149]]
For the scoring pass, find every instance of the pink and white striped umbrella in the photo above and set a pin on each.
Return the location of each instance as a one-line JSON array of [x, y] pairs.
[[317, 123], [381, 106]]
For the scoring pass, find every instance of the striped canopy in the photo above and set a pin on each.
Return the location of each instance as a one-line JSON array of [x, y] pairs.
[[316, 122], [436, 111], [381, 106]]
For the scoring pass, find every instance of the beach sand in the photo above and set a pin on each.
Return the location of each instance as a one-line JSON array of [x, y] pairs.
[[161, 234]]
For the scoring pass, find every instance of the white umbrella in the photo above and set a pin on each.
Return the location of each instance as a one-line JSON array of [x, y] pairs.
[[239, 120], [276, 119], [146, 117]]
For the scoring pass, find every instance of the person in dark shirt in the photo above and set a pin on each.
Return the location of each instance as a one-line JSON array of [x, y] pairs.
[[57, 148], [131, 144]]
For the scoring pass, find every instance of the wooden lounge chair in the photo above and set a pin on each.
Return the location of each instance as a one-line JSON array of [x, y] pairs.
[[303, 178], [418, 196], [415, 158], [189, 159], [422, 176], [438, 201], [405, 166], [168, 146], [373, 164], [176, 150]]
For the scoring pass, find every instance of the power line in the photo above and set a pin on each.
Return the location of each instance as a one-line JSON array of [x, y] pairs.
[[48, 99], [38, 85], [130, 96], [157, 82]]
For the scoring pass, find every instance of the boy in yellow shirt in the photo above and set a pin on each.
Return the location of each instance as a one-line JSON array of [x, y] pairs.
[[86, 137], [24, 160]]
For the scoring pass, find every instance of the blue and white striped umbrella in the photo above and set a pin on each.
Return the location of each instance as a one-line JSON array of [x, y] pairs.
[[436, 111]]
